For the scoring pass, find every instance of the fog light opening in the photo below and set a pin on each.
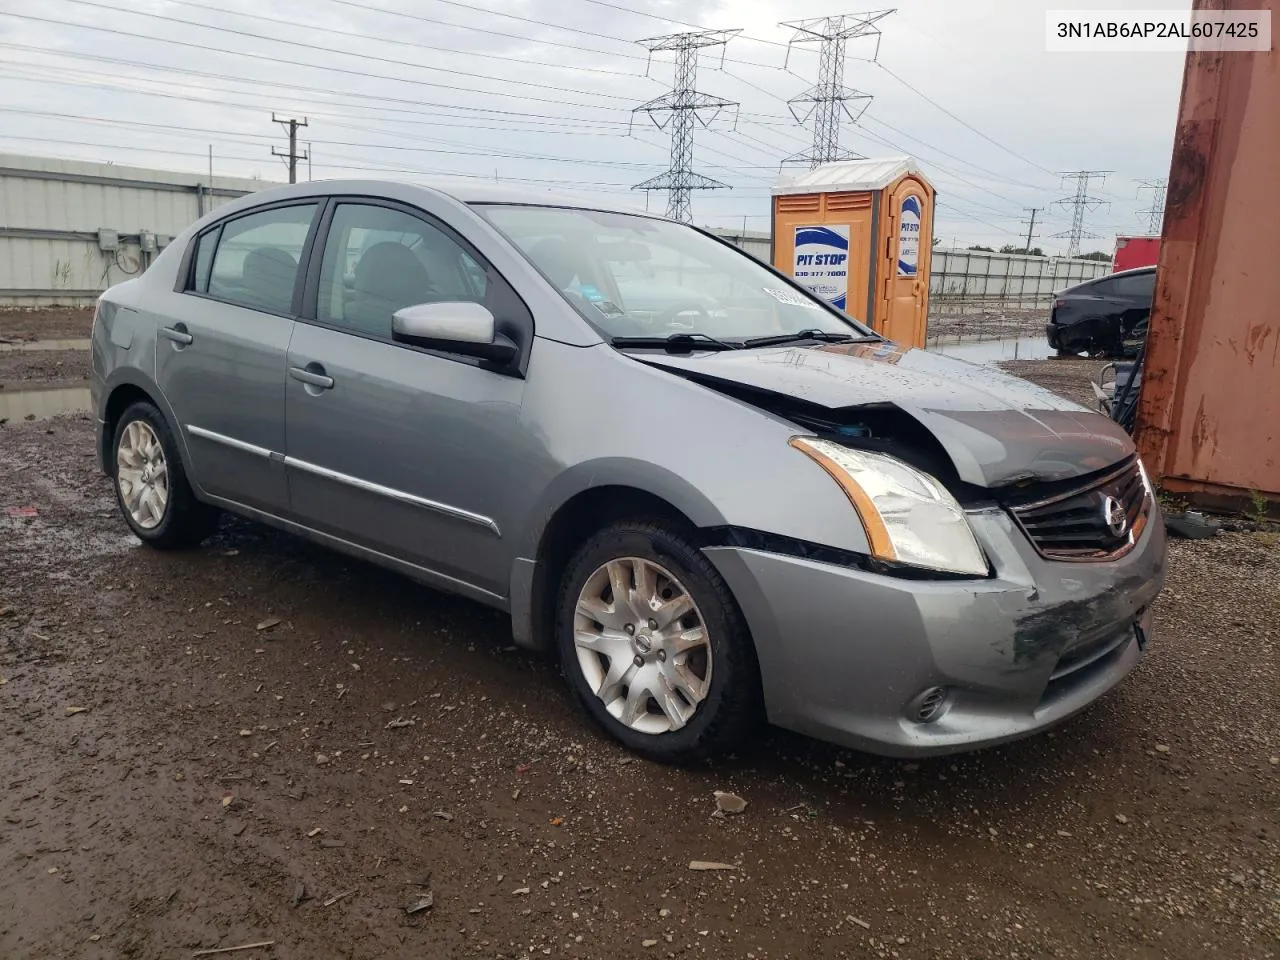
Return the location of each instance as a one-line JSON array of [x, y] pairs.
[[928, 705]]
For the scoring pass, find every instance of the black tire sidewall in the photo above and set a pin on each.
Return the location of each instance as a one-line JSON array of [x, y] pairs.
[[172, 528], [730, 703]]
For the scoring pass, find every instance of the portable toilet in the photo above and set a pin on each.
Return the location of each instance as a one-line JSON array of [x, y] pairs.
[[858, 234]]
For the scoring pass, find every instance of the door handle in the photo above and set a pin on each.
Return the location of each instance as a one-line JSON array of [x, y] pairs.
[[178, 334], [313, 375]]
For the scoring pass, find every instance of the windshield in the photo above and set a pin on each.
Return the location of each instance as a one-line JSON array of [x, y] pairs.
[[635, 276]]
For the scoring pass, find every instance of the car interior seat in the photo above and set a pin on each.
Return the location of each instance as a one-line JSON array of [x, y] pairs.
[[388, 277]]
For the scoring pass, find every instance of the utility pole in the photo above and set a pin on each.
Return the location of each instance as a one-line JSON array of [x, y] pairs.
[[292, 157], [1155, 212], [1080, 203], [1031, 225], [679, 109], [826, 100]]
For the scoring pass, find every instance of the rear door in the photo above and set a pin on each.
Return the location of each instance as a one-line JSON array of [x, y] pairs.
[[400, 450], [220, 356]]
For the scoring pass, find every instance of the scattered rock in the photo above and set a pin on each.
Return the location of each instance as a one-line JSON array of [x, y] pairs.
[[300, 894], [664, 913], [862, 923], [648, 943], [423, 903], [710, 865], [321, 760], [728, 804], [1064, 833], [442, 814], [397, 723], [72, 711], [246, 733], [268, 623], [1121, 818], [520, 892], [315, 832], [1162, 748]]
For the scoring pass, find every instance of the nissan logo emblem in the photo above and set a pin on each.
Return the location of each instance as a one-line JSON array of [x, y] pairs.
[[1115, 517]]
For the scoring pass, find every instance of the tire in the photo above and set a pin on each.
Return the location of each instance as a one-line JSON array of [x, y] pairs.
[[723, 666], [181, 521]]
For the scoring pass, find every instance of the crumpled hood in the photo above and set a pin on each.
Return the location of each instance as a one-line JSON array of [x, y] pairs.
[[996, 428]]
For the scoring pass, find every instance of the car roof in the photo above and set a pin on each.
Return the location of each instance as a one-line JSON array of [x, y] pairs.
[[463, 190], [1085, 284]]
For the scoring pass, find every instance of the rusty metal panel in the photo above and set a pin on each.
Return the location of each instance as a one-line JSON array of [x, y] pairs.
[[1210, 405]]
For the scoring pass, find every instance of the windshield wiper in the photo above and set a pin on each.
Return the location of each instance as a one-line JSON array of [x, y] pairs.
[[825, 336], [677, 342]]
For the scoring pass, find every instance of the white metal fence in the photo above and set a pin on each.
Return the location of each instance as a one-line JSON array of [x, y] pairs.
[[61, 219], [962, 279]]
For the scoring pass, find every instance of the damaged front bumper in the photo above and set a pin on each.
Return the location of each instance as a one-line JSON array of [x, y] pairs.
[[862, 659]]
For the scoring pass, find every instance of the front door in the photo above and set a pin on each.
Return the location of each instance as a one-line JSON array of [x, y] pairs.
[[390, 447], [220, 354], [906, 271]]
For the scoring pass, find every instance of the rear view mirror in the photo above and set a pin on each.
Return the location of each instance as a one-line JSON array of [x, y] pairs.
[[458, 326]]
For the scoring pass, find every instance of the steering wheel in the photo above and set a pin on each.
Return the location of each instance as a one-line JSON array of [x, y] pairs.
[[667, 318]]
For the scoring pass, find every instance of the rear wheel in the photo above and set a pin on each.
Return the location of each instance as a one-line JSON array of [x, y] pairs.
[[654, 646], [151, 484]]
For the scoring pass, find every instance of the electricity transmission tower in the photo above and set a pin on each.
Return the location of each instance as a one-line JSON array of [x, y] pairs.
[[826, 100], [293, 156], [680, 109], [1155, 212], [1080, 203]]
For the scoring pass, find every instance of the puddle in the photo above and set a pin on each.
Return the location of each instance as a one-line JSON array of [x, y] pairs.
[[36, 346], [19, 404], [995, 351]]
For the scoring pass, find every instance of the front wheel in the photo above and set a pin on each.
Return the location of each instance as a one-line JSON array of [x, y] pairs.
[[654, 645], [151, 484]]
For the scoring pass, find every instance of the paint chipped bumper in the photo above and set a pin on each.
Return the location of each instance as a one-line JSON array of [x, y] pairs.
[[846, 654]]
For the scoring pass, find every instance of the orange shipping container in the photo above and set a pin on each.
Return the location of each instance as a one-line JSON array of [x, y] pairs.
[[858, 233], [1210, 402]]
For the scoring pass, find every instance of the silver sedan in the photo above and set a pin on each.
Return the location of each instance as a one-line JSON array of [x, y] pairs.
[[717, 499]]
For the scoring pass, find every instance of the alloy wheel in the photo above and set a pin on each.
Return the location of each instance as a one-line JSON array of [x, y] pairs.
[[642, 645], [142, 474]]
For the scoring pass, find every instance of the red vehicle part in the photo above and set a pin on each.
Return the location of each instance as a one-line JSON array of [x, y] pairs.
[[1135, 252]]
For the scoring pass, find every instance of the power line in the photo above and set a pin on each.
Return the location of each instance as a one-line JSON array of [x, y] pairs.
[[1155, 212], [311, 91], [402, 43], [292, 156], [964, 123], [328, 68], [418, 64], [829, 97], [681, 23], [682, 107], [1080, 203]]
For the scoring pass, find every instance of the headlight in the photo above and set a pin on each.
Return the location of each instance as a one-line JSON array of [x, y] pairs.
[[908, 516]]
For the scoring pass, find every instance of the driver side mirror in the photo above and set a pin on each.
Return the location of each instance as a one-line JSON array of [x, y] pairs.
[[460, 327]]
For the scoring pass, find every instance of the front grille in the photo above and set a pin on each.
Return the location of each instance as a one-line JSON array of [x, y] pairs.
[[1083, 524]]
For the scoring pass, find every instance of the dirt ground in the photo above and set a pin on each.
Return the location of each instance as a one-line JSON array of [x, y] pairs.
[[261, 740], [1066, 376], [45, 323], [43, 367]]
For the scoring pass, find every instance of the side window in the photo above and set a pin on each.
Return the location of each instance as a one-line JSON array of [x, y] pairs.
[[378, 260], [1104, 288], [1140, 285], [205, 245], [256, 261]]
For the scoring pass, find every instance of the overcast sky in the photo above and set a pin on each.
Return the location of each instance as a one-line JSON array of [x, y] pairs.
[[542, 91]]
